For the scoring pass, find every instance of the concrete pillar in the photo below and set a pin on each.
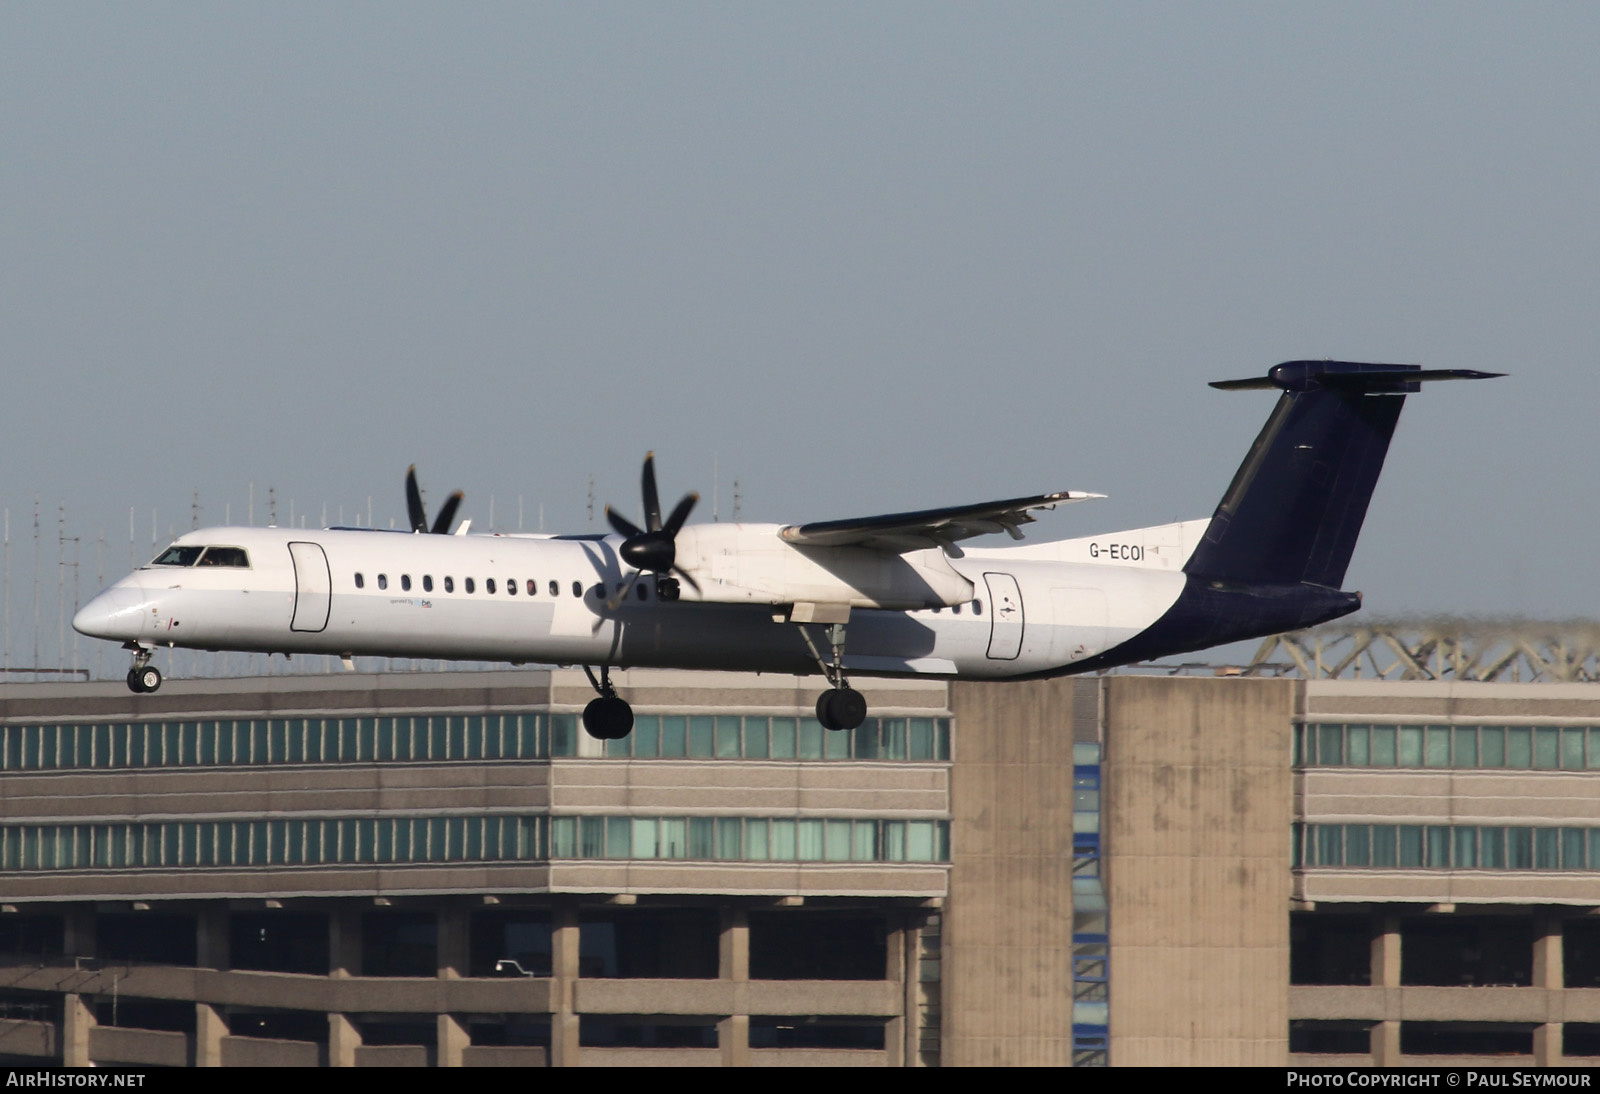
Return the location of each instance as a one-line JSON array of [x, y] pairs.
[[1549, 972], [1386, 1044], [343, 1040], [733, 964], [77, 1020], [453, 1040], [212, 937], [564, 970], [455, 940], [344, 941], [1386, 952], [210, 1027], [896, 963]]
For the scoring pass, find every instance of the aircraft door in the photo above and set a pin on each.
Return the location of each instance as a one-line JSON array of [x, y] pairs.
[[1005, 617], [313, 587]]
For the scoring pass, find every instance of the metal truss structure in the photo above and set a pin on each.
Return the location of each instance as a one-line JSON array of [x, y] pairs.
[[1507, 651]]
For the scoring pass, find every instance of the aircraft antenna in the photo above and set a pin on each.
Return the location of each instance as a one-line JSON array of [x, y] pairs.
[[36, 585], [7, 665]]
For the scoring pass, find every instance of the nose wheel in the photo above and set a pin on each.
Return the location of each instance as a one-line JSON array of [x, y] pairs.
[[609, 717], [143, 677], [841, 706]]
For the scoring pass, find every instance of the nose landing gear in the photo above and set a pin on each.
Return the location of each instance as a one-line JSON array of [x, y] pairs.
[[143, 677], [608, 718], [842, 706]]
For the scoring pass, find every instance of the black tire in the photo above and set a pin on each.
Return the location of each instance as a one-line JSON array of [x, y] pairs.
[[842, 708], [134, 683], [608, 718]]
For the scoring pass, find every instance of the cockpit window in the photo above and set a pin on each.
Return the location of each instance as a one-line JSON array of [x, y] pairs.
[[178, 556], [226, 556]]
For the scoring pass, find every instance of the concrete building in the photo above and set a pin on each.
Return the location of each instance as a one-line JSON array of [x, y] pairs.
[[440, 868]]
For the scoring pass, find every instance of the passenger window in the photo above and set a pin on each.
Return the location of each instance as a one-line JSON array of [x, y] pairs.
[[383, 581], [449, 584], [956, 609], [405, 582], [977, 607], [643, 595], [427, 583], [577, 589], [555, 590], [470, 586], [488, 585], [511, 586], [533, 588], [361, 582]]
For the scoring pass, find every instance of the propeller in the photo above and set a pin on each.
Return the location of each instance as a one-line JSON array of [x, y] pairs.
[[652, 549], [419, 515]]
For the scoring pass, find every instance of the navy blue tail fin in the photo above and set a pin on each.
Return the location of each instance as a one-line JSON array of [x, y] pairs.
[[1296, 504]]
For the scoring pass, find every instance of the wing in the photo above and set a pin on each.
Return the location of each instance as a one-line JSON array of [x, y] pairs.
[[901, 532]]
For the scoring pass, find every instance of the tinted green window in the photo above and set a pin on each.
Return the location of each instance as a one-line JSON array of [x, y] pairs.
[[920, 734], [808, 840], [866, 735], [1466, 848], [1492, 741], [1572, 749], [1573, 848], [1519, 747], [1466, 746], [1437, 746], [644, 838], [728, 842], [1438, 848], [1330, 845], [1492, 847], [1546, 848], [1358, 748], [563, 837], [782, 841], [591, 837], [563, 734], [1593, 759], [757, 840], [864, 841], [920, 841], [783, 738], [674, 735], [1383, 746], [702, 736], [1410, 845], [674, 837], [619, 747], [1546, 748], [1519, 848], [619, 837], [1330, 746], [1410, 746], [456, 735], [894, 745], [836, 744], [646, 735], [811, 734], [702, 836], [727, 734], [1357, 845], [757, 739]]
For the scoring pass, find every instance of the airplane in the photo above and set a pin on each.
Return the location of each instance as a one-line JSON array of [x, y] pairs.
[[892, 595]]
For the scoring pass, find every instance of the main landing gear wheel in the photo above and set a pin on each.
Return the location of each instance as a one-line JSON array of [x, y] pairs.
[[145, 679], [608, 718], [841, 708]]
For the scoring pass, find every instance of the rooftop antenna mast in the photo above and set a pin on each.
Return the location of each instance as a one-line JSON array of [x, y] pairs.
[[591, 501]]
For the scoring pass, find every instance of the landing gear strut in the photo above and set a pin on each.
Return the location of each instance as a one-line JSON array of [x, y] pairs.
[[143, 677], [842, 706], [608, 718]]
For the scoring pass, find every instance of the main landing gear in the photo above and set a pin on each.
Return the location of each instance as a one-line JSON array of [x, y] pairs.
[[842, 706], [143, 677], [608, 718]]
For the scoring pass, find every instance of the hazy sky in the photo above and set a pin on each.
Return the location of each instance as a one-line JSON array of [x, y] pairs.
[[859, 257]]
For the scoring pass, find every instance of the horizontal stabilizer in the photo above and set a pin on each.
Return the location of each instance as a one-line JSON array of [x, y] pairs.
[[1349, 376]]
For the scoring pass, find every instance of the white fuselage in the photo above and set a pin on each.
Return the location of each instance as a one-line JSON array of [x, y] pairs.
[[1033, 609]]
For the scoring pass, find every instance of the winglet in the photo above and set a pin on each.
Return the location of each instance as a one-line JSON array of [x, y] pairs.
[[1375, 379]]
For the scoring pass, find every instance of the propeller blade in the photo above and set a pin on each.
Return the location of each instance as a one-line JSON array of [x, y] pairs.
[[447, 514], [652, 503], [687, 576], [615, 602], [414, 509], [680, 514], [622, 525]]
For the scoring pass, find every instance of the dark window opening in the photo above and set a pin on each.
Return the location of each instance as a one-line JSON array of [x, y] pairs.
[[654, 943], [511, 586], [1580, 953], [555, 590], [533, 587], [159, 1014], [25, 935], [1460, 951], [178, 556], [811, 1032], [1580, 1039], [1330, 949], [427, 583], [956, 608], [515, 1030], [280, 1025], [651, 1031], [226, 556], [146, 936], [361, 582], [405, 583], [471, 586], [977, 607], [1342, 1038], [279, 942], [1465, 1039], [577, 589], [643, 593], [488, 585], [449, 584], [806, 945], [399, 1032], [502, 938], [383, 581], [399, 944]]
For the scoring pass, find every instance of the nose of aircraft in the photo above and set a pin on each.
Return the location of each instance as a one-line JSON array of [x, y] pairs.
[[118, 614]]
